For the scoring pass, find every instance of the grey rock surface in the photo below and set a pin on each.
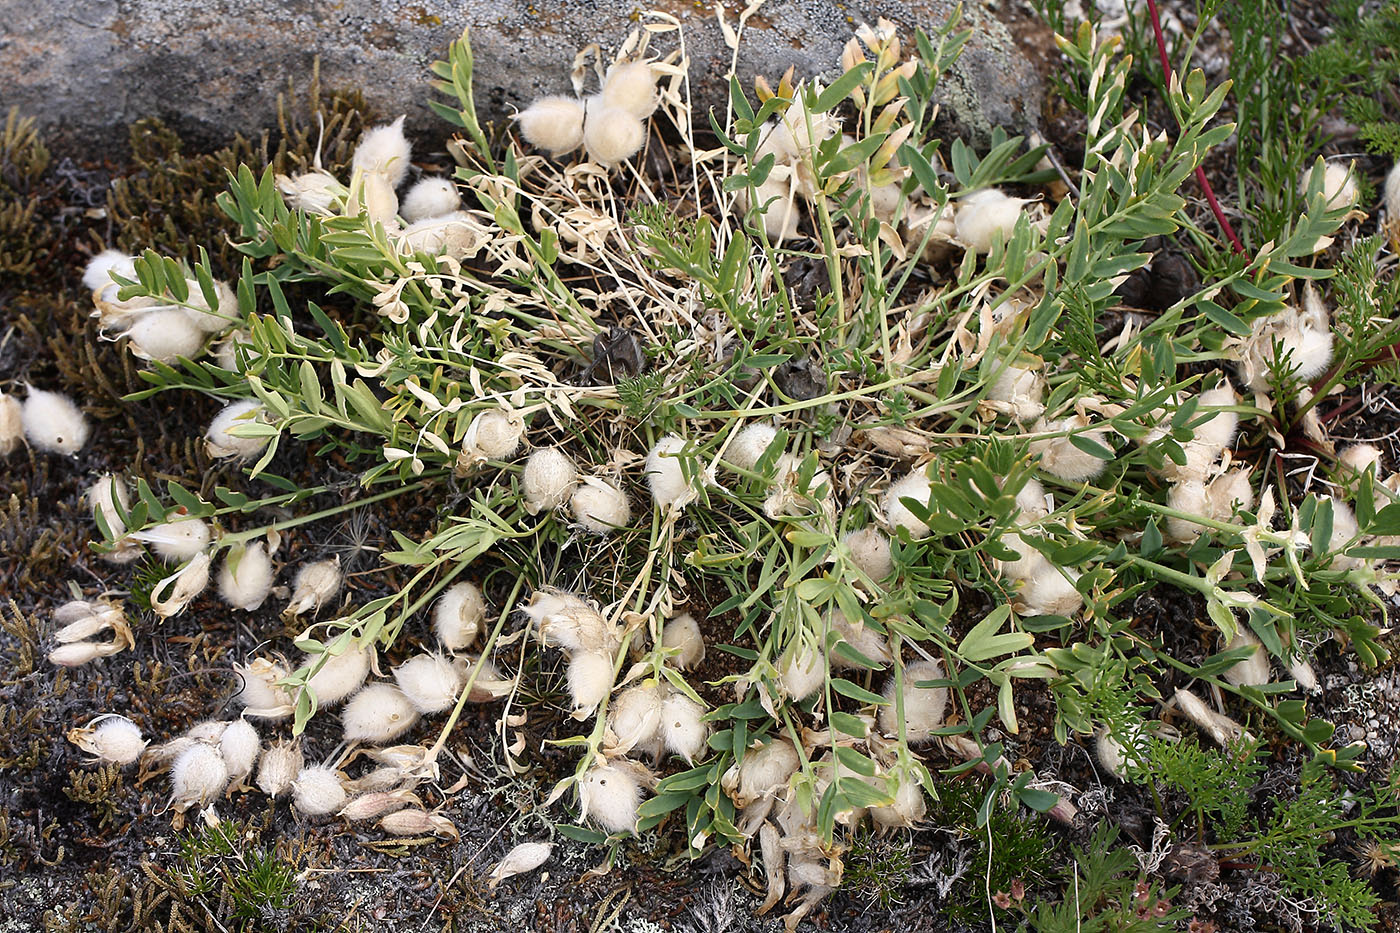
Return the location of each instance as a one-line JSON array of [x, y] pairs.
[[210, 68]]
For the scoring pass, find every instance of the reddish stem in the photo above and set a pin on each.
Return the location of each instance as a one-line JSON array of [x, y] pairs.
[[1200, 172]]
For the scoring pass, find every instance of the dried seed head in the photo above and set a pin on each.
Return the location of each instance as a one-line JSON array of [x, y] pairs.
[[430, 197], [1228, 492], [986, 217], [221, 440], [634, 718], [490, 684], [801, 672], [458, 616], [862, 638], [430, 682], [197, 776], [870, 552], [240, 746], [524, 858], [1019, 393], [318, 791], [909, 804], [609, 795], [683, 634], [599, 506], [1303, 338], [569, 623], [104, 496], [1050, 590], [11, 423], [315, 585], [914, 485], [1253, 671], [171, 595], [1060, 458], [789, 496], [245, 579], [494, 434], [1189, 496], [178, 539], [383, 151], [378, 713], [548, 479], [341, 675], [632, 87], [164, 335], [590, 680], [418, 823], [110, 738], [611, 134], [53, 423], [281, 763], [377, 803], [259, 692], [682, 728], [665, 475], [924, 707], [749, 444], [554, 124], [764, 771]]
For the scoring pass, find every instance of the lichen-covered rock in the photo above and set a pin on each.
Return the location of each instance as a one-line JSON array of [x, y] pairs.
[[211, 68]]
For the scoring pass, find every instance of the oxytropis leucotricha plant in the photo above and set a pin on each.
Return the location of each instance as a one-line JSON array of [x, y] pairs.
[[786, 456]]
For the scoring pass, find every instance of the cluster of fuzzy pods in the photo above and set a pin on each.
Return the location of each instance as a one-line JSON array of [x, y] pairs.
[[610, 125], [428, 219]]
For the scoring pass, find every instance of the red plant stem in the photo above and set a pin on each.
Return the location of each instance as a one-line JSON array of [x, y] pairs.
[[1200, 172]]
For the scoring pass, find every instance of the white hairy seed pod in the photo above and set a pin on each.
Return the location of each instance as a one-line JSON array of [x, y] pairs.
[[209, 320], [198, 776], [665, 476], [1358, 458], [430, 197], [609, 795], [413, 822], [986, 217], [315, 585], [1219, 431], [164, 335], [775, 203], [312, 192], [599, 506], [341, 675], [634, 716], [458, 616], [1113, 756], [1050, 590], [78, 653], [632, 87], [554, 124], [373, 196], [219, 441], [430, 682], [280, 765], [317, 791], [240, 747], [1344, 529], [787, 497], [490, 683], [590, 681], [924, 707], [908, 808], [1190, 496], [1031, 501], [914, 485], [748, 445], [1338, 185], [456, 235], [1253, 671], [170, 596], [97, 275], [494, 434], [683, 634], [1302, 672], [567, 622], [53, 423], [870, 552], [1059, 457], [682, 728], [377, 803], [177, 539], [1228, 492], [210, 731], [862, 638], [104, 496], [245, 580], [1019, 393], [611, 134], [524, 858], [11, 423], [110, 739], [1221, 728], [383, 151], [1392, 192], [226, 349], [801, 672], [81, 619], [378, 713], [548, 479], [259, 692], [764, 771]]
